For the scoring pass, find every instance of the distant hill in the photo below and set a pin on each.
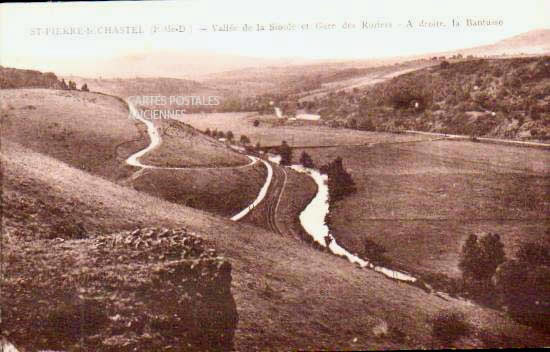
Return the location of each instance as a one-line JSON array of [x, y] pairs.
[[506, 98], [159, 86], [17, 78], [532, 42]]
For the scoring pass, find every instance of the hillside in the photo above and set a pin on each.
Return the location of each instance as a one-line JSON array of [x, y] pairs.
[[532, 42], [158, 86], [323, 302], [93, 132], [84, 232], [505, 98], [89, 131], [17, 78]]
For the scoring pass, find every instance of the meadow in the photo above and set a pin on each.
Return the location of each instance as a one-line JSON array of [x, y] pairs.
[[421, 200]]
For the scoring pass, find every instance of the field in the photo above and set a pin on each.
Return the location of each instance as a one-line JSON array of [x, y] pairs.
[[220, 191], [65, 184], [183, 146], [421, 200], [89, 131], [271, 132], [287, 293], [94, 133]]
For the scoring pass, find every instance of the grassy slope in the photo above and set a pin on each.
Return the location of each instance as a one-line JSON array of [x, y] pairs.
[[221, 191], [289, 296], [183, 146], [298, 192], [93, 132], [89, 131], [421, 200]]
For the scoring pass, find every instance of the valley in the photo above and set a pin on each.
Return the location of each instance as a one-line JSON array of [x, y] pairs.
[[202, 212]]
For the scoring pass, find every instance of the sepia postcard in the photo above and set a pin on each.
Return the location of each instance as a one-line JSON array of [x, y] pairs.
[[274, 175]]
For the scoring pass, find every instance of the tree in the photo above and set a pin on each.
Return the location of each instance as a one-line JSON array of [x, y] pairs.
[[444, 64], [492, 255], [469, 257], [340, 182], [229, 135], [306, 161], [244, 139], [256, 123], [479, 261], [286, 153], [207, 132], [524, 288], [221, 134], [534, 254], [352, 124], [84, 88], [64, 84], [72, 85], [258, 146]]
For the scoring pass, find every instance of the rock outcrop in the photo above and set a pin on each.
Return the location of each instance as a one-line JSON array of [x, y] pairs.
[[150, 289]]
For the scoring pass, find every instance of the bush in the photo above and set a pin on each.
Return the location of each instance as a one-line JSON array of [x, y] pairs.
[[340, 182], [286, 153], [448, 326], [244, 139], [256, 123], [306, 161]]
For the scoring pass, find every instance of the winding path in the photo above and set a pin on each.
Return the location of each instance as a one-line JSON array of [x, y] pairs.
[[154, 135]]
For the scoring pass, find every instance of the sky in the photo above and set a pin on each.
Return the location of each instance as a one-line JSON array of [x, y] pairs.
[[18, 22]]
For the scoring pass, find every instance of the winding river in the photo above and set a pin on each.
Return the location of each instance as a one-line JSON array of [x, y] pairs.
[[156, 141], [312, 219]]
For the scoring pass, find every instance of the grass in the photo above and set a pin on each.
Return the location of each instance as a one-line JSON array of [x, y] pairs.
[[183, 146], [289, 296], [271, 131], [421, 200], [298, 192], [220, 191], [82, 129], [94, 133]]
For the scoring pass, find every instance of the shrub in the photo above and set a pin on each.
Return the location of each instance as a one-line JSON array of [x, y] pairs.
[[286, 153], [480, 258], [524, 288], [244, 139], [306, 161], [448, 326], [256, 123], [340, 182], [533, 253]]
